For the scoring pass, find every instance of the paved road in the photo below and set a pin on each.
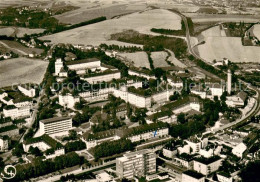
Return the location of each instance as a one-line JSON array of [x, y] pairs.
[[34, 115]]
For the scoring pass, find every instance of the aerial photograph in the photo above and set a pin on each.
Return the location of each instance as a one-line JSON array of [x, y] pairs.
[[130, 90]]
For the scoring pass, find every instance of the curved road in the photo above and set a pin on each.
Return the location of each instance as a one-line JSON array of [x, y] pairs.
[[252, 112]]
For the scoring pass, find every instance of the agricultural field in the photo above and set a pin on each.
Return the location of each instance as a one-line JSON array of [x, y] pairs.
[[93, 11], [18, 31], [7, 31], [256, 31], [21, 70], [18, 48], [22, 31], [228, 47], [159, 59], [98, 33], [215, 31], [172, 59], [137, 59], [203, 18]]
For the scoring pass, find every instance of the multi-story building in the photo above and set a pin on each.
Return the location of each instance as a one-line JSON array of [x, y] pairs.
[[44, 143], [96, 95], [141, 74], [184, 160], [16, 113], [149, 135], [138, 163], [192, 176], [207, 166], [80, 66], [68, 100], [140, 100], [3, 143], [55, 125], [103, 77], [239, 150], [237, 100], [58, 66], [154, 130], [224, 177]]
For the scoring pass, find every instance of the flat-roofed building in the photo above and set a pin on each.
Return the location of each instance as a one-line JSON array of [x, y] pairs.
[[16, 113], [27, 90], [207, 166], [80, 66], [192, 176], [138, 163], [55, 125]]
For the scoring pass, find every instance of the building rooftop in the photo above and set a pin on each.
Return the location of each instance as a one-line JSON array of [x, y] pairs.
[[193, 174], [89, 60], [52, 120], [207, 161], [46, 139], [242, 95]]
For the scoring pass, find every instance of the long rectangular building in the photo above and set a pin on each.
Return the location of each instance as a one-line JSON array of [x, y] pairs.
[[55, 125]]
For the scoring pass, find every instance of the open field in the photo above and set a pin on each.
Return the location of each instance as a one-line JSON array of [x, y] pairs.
[[92, 11], [22, 31], [228, 47], [211, 32], [98, 33], [159, 59], [21, 70], [137, 59], [19, 48], [256, 31], [18, 31], [200, 18], [7, 31]]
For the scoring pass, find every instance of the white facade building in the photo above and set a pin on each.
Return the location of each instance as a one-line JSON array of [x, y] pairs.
[[207, 166], [55, 125], [191, 176], [30, 92], [138, 163], [229, 82], [68, 100], [82, 65], [236, 100], [16, 113], [3, 144], [149, 135], [103, 78], [239, 150], [58, 66], [140, 74]]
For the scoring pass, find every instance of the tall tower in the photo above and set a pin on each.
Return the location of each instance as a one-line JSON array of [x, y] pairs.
[[58, 66], [229, 82]]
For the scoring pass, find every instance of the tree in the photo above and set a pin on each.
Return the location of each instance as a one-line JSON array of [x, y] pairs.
[[18, 150], [35, 151], [174, 97], [223, 97], [181, 118], [73, 134], [251, 172]]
